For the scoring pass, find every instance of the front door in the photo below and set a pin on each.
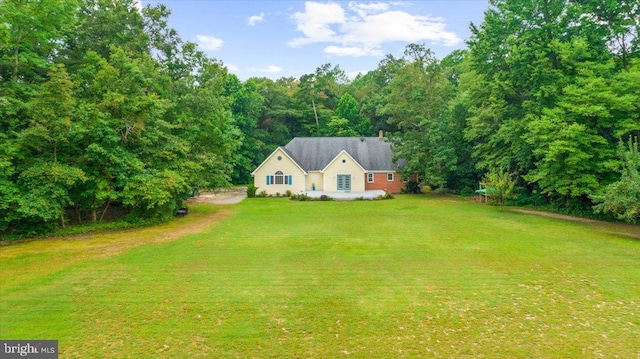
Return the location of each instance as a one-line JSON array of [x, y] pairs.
[[344, 182]]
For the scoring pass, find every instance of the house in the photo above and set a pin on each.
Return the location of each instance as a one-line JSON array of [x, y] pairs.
[[330, 164]]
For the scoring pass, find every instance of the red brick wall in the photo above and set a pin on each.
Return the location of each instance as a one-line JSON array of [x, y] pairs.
[[380, 182]]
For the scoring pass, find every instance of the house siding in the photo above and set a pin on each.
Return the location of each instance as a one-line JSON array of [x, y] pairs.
[[287, 167], [380, 182], [348, 167], [315, 178]]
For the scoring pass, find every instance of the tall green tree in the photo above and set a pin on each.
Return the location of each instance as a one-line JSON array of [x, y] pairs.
[[31, 34], [355, 124], [546, 103], [140, 119], [281, 115], [418, 102], [622, 198], [321, 90], [371, 90], [106, 23], [246, 107], [48, 172]]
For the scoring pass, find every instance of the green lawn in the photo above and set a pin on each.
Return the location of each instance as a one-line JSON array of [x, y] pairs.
[[411, 277]]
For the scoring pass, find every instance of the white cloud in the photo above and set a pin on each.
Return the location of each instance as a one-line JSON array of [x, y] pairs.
[[271, 69], [209, 43], [353, 75], [399, 3], [252, 20], [315, 22], [365, 27], [232, 68], [352, 51], [366, 9], [398, 26]]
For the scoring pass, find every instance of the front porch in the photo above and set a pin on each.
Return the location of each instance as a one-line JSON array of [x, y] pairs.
[[347, 195]]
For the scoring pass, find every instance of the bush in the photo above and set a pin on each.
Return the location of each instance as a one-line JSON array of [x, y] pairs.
[[413, 187], [466, 192], [288, 193], [389, 196], [529, 198], [251, 191], [263, 194]]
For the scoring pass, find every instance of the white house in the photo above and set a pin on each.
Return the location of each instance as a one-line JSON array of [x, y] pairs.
[[330, 164]]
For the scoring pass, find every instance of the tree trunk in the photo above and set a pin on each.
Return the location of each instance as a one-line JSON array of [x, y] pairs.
[[16, 57], [105, 210], [315, 113], [78, 213], [62, 219]]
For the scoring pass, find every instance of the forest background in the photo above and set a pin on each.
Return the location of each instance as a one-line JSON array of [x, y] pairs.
[[103, 107]]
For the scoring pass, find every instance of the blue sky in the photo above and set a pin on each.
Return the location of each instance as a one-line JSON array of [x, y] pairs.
[[291, 38]]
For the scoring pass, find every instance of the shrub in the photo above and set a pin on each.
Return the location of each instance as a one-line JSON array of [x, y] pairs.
[[466, 192], [413, 187], [263, 194], [288, 193], [251, 190], [389, 196]]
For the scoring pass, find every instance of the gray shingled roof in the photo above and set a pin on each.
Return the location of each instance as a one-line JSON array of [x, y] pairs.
[[315, 153]]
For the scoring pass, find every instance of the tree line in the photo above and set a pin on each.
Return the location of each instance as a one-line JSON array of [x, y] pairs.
[[105, 106]]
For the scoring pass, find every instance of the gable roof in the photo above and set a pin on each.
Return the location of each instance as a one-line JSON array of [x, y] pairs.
[[315, 153], [286, 153], [335, 158]]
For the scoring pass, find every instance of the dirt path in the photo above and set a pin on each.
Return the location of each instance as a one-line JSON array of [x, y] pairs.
[[627, 230], [554, 215], [225, 196], [44, 255], [120, 240], [193, 223]]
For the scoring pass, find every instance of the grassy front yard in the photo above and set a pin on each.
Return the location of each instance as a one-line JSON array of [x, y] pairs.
[[414, 276]]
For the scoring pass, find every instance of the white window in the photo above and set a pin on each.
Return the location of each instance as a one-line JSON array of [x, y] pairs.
[[370, 177], [390, 176], [279, 178]]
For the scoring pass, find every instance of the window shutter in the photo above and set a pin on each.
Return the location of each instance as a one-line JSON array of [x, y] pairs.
[[290, 179], [268, 180]]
